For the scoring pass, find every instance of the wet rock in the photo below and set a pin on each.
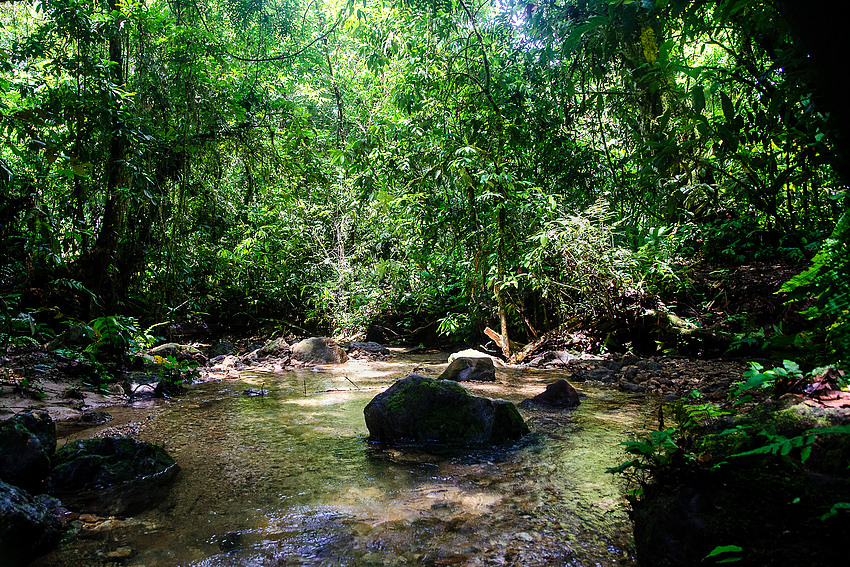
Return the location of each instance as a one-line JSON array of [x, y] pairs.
[[26, 443], [112, 476], [29, 525], [230, 541], [96, 417], [632, 388], [465, 369], [599, 374], [419, 410], [558, 395], [370, 347], [254, 392], [472, 353], [318, 350]]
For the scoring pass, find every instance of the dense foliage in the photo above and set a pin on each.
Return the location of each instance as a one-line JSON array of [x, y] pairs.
[[444, 165]]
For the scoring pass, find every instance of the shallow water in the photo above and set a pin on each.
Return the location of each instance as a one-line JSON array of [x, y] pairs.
[[290, 479]]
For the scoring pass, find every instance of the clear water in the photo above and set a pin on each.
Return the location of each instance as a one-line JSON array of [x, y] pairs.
[[290, 479]]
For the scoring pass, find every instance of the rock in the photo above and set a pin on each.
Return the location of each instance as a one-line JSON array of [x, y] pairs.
[[557, 358], [371, 347], [631, 388], [26, 443], [276, 347], [418, 410], [95, 418], [472, 353], [29, 525], [230, 362], [649, 364], [122, 552], [223, 347], [254, 392], [558, 395], [464, 369], [114, 476], [318, 350], [179, 352]]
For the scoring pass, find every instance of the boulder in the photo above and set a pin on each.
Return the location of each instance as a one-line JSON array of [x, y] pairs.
[[318, 350], [276, 347], [370, 347], [472, 353], [420, 410], [223, 347], [114, 476], [29, 525], [465, 369], [553, 358], [26, 443], [557, 395]]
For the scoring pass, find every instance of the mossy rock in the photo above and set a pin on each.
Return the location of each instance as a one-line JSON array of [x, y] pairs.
[[112, 476], [419, 410]]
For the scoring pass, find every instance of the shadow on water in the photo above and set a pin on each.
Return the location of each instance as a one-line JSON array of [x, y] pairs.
[[290, 479]]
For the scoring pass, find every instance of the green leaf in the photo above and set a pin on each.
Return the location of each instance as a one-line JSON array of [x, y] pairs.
[[725, 549], [698, 99], [727, 106]]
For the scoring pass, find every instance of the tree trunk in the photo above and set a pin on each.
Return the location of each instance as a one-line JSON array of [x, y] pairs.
[[96, 266]]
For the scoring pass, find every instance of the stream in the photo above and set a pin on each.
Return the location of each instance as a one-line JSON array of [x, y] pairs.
[[289, 478]]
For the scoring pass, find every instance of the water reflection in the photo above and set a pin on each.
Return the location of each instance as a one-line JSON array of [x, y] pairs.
[[290, 479]]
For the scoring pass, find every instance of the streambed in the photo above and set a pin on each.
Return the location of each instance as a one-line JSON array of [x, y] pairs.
[[290, 479]]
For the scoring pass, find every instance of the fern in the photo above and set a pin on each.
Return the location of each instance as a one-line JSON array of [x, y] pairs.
[[828, 282]]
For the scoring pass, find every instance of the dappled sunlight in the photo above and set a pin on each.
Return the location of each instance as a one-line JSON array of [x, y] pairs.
[[291, 475]]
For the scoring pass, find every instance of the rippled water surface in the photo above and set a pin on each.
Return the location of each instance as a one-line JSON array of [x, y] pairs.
[[290, 479]]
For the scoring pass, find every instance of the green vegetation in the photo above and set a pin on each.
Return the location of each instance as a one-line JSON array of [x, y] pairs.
[[328, 165], [776, 446]]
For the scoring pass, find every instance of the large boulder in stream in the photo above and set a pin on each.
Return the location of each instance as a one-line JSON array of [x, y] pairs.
[[420, 410], [318, 351], [468, 369], [114, 476], [26, 443], [557, 395], [29, 525]]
